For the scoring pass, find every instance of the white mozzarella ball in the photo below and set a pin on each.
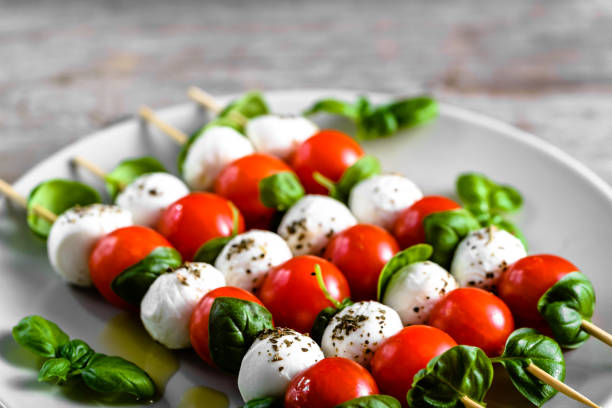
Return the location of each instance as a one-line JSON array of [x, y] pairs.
[[149, 195], [274, 358], [211, 152], [310, 223], [483, 255], [166, 308], [379, 199], [75, 233], [415, 289], [357, 330], [246, 258], [278, 135]]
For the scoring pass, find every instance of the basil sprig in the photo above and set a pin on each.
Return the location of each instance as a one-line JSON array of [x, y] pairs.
[[114, 374], [129, 170], [132, 284], [413, 254], [362, 169], [39, 335], [280, 191], [210, 250], [462, 371], [445, 230], [565, 305], [265, 402], [371, 401], [57, 196]]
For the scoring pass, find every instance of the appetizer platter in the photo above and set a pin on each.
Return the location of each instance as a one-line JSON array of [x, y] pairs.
[[306, 249]]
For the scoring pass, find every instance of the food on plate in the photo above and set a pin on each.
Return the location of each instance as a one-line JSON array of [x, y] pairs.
[[279, 135], [364, 168], [128, 170]]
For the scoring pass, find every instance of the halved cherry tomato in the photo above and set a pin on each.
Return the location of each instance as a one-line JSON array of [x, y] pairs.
[[195, 219], [408, 228], [328, 152], [117, 251], [328, 383], [402, 355], [360, 252], [198, 326], [291, 292], [474, 317], [239, 183]]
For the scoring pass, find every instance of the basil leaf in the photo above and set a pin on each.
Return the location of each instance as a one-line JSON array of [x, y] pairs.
[[413, 254], [334, 107], [57, 196], [414, 111], [54, 370], [233, 325], [280, 190], [460, 371], [324, 317], [444, 230], [265, 402], [129, 170], [39, 335], [210, 250], [371, 401], [565, 305], [364, 168], [474, 189], [77, 352], [526, 346], [115, 374], [505, 199], [379, 123], [132, 284]]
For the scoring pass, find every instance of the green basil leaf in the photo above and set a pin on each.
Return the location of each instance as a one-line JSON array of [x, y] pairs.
[[77, 352], [265, 402], [413, 112], [129, 170], [210, 250], [460, 371], [474, 189], [505, 199], [39, 335], [527, 346], [371, 401], [57, 196], [334, 107], [115, 374], [233, 325], [413, 254], [132, 284], [364, 168], [324, 317], [54, 370], [280, 190], [565, 305], [376, 124]]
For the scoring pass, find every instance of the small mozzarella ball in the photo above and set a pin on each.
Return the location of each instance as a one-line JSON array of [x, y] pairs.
[[415, 289], [483, 255], [246, 258], [211, 152], [379, 199], [166, 308], [310, 223], [274, 358], [74, 234], [279, 136], [149, 195], [357, 330]]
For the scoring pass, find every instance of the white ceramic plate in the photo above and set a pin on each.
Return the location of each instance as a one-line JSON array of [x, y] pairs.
[[568, 211]]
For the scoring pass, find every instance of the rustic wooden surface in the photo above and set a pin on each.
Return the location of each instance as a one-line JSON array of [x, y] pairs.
[[70, 67]]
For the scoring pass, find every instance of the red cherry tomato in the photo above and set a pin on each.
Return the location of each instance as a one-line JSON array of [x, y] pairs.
[[474, 317], [524, 282], [408, 228], [360, 252], [195, 219], [239, 183], [401, 356], [328, 383], [292, 295], [116, 252], [330, 153], [198, 326]]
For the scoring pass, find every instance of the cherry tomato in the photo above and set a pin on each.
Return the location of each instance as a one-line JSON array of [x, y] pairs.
[[198, 326], [239, 183], [360, 252], [474, 317], [408, 228], [328, 383], [291, 292], [524, 282], [402, 355], [195, 219], [329, 152], [116, 252]]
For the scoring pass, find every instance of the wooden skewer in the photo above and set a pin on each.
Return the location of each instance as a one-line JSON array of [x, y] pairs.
[[95, 170], [559, 386], [597, 332], [12, 194], [209, 102], [470, 403], [147, 113]]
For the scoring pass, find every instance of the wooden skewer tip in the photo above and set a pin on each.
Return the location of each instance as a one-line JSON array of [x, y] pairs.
[[559, 386]]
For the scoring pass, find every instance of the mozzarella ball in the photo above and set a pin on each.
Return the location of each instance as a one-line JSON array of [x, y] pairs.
[[357, 330], [217, 147], [310, 223], [166, 308], [74, 234], [278, 135], [246, 258], [149, 195], [483, 255], [274, 358], [415, 289], [379, 199]]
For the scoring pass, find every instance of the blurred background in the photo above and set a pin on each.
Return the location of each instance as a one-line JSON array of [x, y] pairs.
[[69, 67]]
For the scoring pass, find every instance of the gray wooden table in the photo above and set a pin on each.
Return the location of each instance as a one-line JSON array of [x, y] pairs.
[[70, 67]]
